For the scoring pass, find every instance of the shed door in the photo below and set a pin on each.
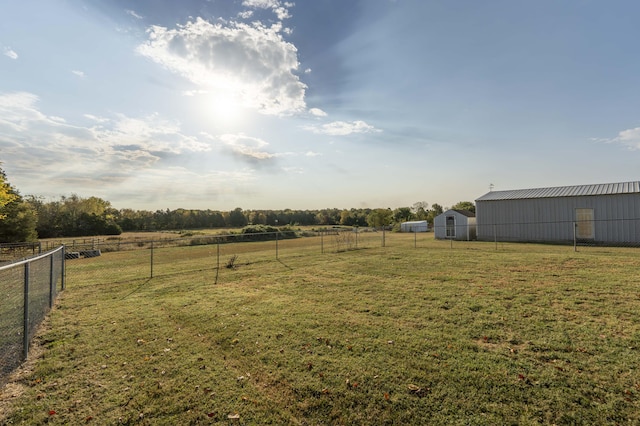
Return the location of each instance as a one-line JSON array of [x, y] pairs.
[[584, 224], [451, 226]]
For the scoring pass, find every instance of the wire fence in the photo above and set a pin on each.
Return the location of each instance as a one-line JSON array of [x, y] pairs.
[[590, 232], [13, 251], [158, 256], [28, 288], [211, 255]]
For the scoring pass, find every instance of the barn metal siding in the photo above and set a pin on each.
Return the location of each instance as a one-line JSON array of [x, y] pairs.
[[551, 219]]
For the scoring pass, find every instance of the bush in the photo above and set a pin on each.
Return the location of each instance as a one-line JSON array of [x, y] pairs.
[[266, 233]]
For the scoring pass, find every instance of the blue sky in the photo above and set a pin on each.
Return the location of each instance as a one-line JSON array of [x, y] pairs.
[[268, 104]]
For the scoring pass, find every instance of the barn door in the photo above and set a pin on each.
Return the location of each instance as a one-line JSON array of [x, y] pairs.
[[584, 224], [451, 226]]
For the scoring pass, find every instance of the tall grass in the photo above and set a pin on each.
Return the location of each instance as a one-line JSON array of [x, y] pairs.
[[526, 334]]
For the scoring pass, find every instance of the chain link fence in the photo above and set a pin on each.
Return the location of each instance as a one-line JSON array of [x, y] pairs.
[[28, 288]]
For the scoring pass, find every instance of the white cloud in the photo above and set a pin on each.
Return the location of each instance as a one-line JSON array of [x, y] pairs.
[[131, 159], [279, 8], [293, 170], [133, 13], [10, 53], [246, 146], [262, 4], [317, 112], [343, 128], [78, 73], [251, 60], [312, 154], [58, 147], [629, 138], [96, 118]]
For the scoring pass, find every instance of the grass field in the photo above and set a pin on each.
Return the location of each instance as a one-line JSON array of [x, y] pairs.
[[525, 334]]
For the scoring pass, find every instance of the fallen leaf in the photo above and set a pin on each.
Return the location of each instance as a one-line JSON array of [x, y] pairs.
[[386, 396], [233, 416], [52, 412]]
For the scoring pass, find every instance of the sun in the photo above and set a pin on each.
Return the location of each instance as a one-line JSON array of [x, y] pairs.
[[226, 106]]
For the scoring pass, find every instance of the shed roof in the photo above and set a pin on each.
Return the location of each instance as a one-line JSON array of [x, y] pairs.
[[564, 191], [466, 213]]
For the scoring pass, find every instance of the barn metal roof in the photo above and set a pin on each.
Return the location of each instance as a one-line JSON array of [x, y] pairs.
[[564, 191]]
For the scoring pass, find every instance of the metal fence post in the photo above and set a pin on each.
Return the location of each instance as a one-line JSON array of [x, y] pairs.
[[25, 321], [356, 237], [276, 243], [575, 241], [52, 284], [322, 241], [151, 259], [63, 272]]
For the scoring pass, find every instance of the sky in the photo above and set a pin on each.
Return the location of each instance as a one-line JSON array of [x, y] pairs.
[[270, 104]]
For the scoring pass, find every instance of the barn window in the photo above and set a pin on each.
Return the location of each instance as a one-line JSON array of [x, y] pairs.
[[584, 224], [451, 226]]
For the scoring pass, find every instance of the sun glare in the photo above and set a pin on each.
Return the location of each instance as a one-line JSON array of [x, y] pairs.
[[226, 106]]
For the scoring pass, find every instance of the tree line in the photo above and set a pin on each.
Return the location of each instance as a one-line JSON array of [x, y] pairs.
[[31, 217]]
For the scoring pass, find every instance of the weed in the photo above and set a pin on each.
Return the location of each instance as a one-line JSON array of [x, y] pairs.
[[231, 262]]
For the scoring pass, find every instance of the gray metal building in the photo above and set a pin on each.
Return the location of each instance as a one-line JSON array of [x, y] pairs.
[[602, 213]]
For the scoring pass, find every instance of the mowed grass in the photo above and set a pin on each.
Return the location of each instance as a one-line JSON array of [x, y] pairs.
[[525, 334]]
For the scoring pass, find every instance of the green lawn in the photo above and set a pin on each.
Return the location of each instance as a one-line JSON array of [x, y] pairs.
[[417, 332]]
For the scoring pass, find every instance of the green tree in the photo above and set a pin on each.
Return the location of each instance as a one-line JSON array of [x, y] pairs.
[[420, 210], [379, 218], [436, 209], [7, 194], [19, 219], [74, 216], [19, 224], [402, 214], [237, 218], [465, 205]]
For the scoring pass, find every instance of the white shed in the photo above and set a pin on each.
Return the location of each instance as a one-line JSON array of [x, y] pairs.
[[456, 225], [415, 226]]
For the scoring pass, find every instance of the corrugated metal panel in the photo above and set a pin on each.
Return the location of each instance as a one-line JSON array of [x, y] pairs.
[[564, 191], [616, 217]]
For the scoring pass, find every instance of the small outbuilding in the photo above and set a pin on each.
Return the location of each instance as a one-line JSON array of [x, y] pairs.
[[455, 225], [598, 214], [414, 226]]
